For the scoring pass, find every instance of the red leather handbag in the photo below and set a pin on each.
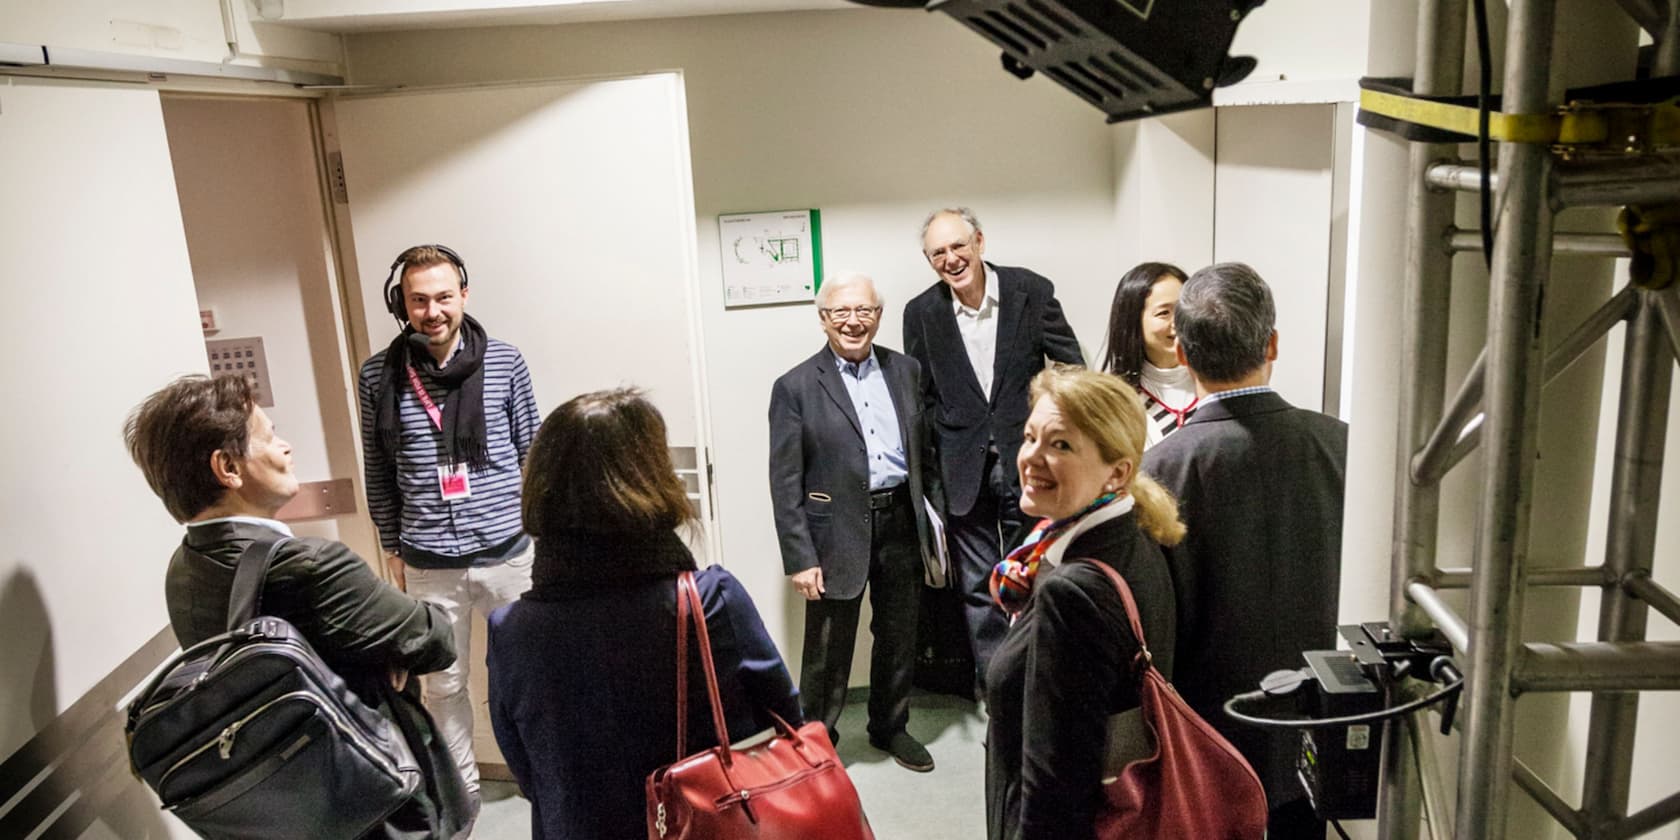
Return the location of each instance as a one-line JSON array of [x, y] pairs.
[[789, 787], [1194, 785]]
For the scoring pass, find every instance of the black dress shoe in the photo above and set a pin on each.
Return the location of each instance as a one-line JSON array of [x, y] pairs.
[[907, 751]]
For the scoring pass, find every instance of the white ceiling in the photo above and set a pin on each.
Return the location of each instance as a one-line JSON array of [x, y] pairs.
[[375, 15]]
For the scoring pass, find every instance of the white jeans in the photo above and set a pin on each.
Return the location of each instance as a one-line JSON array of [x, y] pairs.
[[459, 592]]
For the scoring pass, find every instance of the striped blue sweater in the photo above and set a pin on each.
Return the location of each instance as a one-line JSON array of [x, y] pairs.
[[402, 487]]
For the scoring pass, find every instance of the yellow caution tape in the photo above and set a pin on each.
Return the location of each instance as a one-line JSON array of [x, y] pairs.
[[1580, 124]]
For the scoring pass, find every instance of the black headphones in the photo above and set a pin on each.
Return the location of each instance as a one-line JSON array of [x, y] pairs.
[[393, 281]]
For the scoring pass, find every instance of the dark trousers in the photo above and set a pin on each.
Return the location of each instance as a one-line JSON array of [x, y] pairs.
[[975, 540], [894, 589]]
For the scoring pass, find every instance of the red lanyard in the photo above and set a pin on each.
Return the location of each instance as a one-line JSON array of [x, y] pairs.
[[425, 398], [1177, 413]]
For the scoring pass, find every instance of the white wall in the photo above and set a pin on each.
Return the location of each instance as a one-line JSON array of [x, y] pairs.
[[251, 205], [184, 30], [102, 313], [873, 116], [1271, 157]]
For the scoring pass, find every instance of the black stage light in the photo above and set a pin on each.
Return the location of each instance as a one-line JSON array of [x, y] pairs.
[[1129, 58]]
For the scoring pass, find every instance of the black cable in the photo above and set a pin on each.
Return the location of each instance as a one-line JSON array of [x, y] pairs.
[[1339, 832], [1484, 145], [1326, 723]]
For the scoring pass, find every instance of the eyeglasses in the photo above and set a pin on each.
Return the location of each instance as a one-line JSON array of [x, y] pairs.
[[960, 248], [865, 314]]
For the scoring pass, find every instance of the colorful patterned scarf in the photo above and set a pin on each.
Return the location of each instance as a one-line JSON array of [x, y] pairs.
[[1012, 579]]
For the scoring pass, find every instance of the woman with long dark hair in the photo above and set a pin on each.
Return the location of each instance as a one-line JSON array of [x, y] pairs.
[[1143, 347], [583, 667]]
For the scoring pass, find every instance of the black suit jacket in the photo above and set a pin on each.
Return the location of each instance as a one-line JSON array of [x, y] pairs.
[[1030, 328], [819, 467], [1259, 484]]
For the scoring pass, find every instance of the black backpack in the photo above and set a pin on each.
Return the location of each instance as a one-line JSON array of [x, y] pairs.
[[250, 735]]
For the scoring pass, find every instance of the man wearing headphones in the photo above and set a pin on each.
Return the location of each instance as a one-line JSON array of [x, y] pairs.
[[448, 415]]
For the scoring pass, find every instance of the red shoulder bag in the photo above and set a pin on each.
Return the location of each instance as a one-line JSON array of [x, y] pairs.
[[789, 787], [1194, 785]]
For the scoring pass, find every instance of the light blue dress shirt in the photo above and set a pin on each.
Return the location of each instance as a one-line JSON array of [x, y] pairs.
[[866, 384]]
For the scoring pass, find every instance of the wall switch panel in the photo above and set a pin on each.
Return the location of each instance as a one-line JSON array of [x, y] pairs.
[[242, 357]]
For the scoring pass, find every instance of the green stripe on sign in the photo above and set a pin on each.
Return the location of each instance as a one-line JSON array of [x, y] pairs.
[[816, 252]]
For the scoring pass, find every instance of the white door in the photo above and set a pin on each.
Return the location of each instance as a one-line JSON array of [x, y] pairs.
[[571, 204]]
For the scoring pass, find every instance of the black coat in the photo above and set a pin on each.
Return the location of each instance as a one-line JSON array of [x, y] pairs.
[[1030, 328], [819, 467], [1062, 669], [361, 627], [1259, 484]]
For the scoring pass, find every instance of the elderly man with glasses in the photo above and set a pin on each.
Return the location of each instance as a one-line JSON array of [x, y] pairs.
[[981, 333], [846, 456]]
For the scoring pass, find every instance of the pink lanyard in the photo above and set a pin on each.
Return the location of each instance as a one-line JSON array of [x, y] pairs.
[[425, 399], [1177, 413]]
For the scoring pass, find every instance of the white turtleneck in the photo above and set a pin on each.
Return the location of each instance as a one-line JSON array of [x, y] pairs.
[[1165, 388]]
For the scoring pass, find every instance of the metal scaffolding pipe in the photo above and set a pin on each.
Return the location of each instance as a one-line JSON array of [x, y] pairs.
[[1579, 244], [1597, 666], [1435, 801], [1521, 264], [1659, 814], [1635, 491], [1669, 308], [1460, 430], [1430, 464], [1655, 595], [1614, 182], [1425, 308], [1457, 577], [1444, 617], [1542, 793], [1464, 177]]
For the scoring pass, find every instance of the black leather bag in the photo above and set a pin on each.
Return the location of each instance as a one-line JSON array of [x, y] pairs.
[[250, 735]]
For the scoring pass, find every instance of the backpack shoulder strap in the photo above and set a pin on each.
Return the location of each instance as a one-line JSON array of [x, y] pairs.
[[245, 599]]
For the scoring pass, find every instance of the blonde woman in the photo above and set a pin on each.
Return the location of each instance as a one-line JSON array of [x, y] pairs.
[[1065, 665]]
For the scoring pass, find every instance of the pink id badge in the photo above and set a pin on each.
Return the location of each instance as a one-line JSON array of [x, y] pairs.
[[453, 482]]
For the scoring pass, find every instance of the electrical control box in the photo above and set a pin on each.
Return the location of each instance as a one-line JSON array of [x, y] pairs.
[[1339, 765]]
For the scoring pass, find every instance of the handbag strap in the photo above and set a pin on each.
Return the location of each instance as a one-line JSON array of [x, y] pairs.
[[1143, 656], [245, 598], [690, 609]]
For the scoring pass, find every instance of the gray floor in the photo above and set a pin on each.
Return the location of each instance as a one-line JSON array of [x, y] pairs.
[[946, 804]]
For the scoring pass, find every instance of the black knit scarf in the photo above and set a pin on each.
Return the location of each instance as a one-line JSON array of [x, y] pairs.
[[458, 387], [572, 564]]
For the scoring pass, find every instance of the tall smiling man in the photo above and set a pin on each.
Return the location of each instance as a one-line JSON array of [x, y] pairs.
[[448, 414], [981, 333]]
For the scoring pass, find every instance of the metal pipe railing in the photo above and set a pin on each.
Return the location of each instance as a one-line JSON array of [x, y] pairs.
[[1445, 618], [1425, 307], [1635, 490], [1640, 585], [1546, 798], [1463, 240], [1658, 814], [1458, 577], [1597, 666], [1460, 429], [1521, 265]]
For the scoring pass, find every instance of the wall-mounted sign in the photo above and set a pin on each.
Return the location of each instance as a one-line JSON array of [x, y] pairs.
[[770, 257]]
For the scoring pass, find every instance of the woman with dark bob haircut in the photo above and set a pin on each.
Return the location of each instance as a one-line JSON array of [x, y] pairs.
[[1143, 346], [583, 667]]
